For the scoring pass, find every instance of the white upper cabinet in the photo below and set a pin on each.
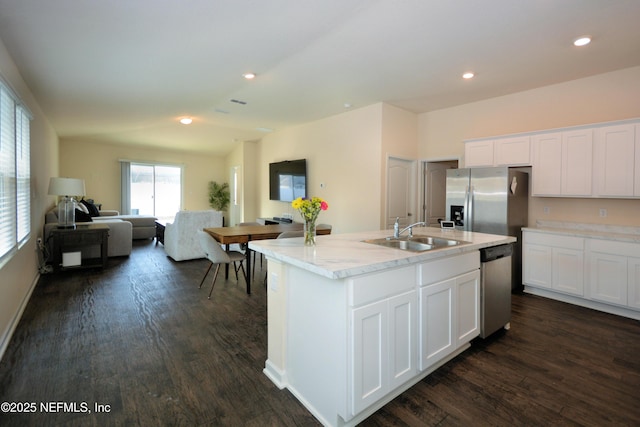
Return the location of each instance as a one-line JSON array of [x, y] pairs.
[[478, 154], [508, 151], [562, 163], [577, 159], [512, 151], [614, 161], [602, 160], [547, 164]]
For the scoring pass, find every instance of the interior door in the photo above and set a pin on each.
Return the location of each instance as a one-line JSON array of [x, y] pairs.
[[401, 192], [435, 190]]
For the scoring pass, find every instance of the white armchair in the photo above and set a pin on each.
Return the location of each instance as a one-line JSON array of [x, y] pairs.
[[181, 236]]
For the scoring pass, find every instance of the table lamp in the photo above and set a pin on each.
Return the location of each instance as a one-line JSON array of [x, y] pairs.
[[67, 187]]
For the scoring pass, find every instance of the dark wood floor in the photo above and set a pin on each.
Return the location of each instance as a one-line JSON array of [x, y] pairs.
[[141, 338]]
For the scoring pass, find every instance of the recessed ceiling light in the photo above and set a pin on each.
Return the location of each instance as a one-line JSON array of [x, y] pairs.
[[468, 75], [249, 76], [186, 120], [582, 41]]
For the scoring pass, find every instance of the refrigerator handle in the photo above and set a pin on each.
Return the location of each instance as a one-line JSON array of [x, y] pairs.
[[468, 225]]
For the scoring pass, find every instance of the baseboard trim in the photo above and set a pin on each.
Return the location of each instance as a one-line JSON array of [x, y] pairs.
[[6, 338]]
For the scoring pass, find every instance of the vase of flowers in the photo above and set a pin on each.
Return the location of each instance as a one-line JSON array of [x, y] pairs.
[[309, 210]]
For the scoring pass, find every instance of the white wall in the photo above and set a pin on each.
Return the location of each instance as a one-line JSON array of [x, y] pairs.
[[601, 98], [20, 274], [98, 164], [343, 155]]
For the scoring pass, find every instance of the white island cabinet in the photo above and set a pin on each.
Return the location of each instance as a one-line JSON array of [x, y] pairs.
[[351, 325]]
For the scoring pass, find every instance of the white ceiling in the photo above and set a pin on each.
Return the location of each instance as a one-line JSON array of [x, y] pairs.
[[125, 71]]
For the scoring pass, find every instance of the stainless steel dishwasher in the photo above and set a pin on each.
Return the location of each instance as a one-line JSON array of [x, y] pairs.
[[495, 289]]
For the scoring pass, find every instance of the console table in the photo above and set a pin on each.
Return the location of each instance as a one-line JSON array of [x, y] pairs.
[[65, 240]]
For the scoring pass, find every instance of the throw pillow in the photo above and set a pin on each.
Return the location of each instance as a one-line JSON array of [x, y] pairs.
[[83, 208], [82, 216], [93, 210]]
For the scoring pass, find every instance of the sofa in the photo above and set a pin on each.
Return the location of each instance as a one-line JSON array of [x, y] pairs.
[[180, 236], [119, 241], [143, 226]]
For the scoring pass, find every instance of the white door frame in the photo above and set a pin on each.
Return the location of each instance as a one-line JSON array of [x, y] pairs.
[[422, 186], [413, 191]]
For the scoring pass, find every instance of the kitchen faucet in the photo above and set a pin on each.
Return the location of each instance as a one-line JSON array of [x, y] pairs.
[[396, 228]]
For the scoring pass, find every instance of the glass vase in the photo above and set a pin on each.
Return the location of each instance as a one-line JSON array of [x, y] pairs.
[[309, 233]]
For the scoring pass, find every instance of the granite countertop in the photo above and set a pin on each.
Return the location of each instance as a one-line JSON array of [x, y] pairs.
[[620, 233], [339, 256]]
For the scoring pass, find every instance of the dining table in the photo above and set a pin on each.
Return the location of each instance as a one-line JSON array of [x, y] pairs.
[[243, 234]]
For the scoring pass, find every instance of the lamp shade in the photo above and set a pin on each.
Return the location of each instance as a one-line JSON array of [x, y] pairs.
[[66, 187]]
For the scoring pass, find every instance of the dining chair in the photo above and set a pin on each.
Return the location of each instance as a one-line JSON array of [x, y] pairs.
[[289, 234], [217, 256], [244, 247]]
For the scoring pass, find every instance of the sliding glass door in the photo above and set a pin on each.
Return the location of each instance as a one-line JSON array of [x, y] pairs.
[[155, 190]]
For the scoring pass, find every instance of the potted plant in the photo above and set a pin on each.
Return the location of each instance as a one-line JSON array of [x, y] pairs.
[[219, 195]]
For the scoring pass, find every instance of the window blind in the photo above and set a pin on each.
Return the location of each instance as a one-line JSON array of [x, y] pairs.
[[15, 173]]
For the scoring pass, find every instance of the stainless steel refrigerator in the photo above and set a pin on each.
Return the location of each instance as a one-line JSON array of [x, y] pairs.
[[490, 200]]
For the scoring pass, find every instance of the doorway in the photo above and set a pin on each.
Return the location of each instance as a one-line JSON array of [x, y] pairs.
[[401, 192], [434, 195], [155, 190]]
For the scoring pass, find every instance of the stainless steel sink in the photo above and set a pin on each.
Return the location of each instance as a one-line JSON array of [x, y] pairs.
[[415, 243]]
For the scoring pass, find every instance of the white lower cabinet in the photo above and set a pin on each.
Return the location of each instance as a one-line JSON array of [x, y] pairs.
[[449, 316], [437, 322], [384, 334], [609, 278], [468, 307], [633, 293], [594, 272], [554, 262], [615, 272], [449, 306], [384, 347], [405, 321]]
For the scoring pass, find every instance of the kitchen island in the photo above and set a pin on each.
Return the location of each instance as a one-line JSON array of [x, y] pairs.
[[351, 324]]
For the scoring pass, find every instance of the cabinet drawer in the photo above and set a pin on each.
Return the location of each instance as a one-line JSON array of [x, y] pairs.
[[376, 286], [554, 240], [615, 248], [445, 268]]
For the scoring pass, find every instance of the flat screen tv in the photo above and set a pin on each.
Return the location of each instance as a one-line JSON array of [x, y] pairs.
[[288, 180]]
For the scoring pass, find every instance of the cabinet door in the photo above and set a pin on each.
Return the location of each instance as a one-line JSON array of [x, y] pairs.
[[633, 282], [437, 317], [402, 337], [608, 278], [537, 265], [468, 307], [370, 354], [614, 149], [577, 157], [547, 164], [478, 153], [514, 151], [567, 267]]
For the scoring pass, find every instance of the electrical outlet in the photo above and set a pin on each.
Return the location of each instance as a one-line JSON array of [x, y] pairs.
[[603, 213], [546, 210]]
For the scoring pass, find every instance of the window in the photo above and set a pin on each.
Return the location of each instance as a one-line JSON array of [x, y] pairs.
[[151, 189], [15, 174]]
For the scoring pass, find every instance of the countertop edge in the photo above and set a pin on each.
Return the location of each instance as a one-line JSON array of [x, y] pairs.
[[592, 234], [341, 256]]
